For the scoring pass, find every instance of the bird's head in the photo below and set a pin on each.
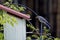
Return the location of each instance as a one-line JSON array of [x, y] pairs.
[[37, 17]]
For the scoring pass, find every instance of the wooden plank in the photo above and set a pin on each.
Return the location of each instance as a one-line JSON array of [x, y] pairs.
[[14, 12]]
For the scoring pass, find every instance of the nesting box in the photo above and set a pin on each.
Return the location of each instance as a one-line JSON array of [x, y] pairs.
[[18, 32]]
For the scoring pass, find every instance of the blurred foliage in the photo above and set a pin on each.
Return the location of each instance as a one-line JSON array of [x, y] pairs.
[[28, 38], [1, 36], [14, 6], [5, 18], [45, 36]]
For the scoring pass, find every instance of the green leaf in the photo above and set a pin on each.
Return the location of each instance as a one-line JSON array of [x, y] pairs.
[[10, 0], [21, 9], [28, 38], [7, 4], [1, 35], [56, 38]]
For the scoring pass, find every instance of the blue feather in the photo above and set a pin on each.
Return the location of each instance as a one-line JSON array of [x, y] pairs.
[[43, 20]]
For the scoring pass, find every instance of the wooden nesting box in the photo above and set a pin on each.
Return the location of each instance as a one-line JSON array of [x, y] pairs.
[[18, 32]]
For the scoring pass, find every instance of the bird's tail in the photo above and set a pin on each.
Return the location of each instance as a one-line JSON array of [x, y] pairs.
[[48, 25]]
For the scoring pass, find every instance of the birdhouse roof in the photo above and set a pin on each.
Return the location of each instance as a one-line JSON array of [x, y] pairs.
[[11, 11]]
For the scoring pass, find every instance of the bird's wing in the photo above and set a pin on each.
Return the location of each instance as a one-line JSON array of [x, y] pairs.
[[43, 20]]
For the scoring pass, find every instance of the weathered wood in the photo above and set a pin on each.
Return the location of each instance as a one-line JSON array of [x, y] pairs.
[[14, 12]]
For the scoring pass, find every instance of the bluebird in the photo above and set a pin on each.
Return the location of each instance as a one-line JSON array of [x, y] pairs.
[[43, 20], [40, 18]]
